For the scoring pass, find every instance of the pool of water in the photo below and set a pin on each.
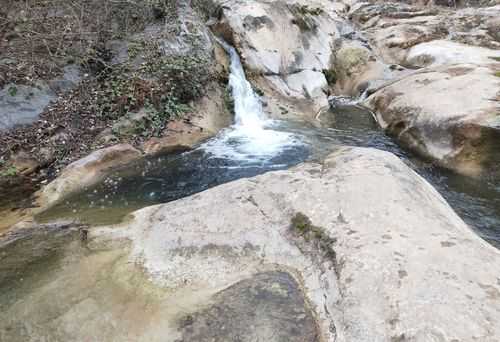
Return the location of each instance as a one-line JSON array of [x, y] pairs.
[[220, 160], [170, 177]]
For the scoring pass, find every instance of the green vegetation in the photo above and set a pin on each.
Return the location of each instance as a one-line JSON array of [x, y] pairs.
[[303, 16], [131, 86], [163, 85], [206, 7], [302, 225], [10, 171], [497, 73], [12, 91], [495, 59], [44, 35], [331, 76], [306, 10]]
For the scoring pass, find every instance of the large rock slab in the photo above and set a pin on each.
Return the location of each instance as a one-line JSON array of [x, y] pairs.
[[374, 265], [448, 109], [449, 113], [21, 104], [444, 52]]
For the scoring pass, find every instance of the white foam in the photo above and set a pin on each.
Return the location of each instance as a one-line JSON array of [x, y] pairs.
[[252, 137]]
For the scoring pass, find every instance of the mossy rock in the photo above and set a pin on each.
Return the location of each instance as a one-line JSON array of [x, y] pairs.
[[350, 60], [302, 225], [331, 76]]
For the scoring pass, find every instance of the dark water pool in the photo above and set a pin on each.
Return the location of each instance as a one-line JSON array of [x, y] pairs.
[[170, 177]]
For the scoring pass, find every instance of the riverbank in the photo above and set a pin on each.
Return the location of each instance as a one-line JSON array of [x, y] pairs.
[[141, 77]]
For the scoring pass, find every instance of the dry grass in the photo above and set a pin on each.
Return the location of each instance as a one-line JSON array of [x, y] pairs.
[[41, 36]]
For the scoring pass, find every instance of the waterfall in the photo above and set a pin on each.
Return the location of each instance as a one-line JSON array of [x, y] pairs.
[[252, 137], [247, 106]]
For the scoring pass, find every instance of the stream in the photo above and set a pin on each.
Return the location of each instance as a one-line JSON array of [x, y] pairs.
[[255, 145], [51, 268]]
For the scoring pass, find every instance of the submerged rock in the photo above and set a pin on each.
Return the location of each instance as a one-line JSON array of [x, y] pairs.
[[265, 307], [86, 172]]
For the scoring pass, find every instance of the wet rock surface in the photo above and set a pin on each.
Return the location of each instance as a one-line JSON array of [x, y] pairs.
[[87, 172], [266, 307]]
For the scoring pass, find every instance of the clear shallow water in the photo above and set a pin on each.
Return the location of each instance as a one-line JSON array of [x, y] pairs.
[[256, 144], [229, 156], [171, 177]]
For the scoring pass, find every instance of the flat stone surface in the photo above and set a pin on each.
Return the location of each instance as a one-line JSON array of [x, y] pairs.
[[21, 104]]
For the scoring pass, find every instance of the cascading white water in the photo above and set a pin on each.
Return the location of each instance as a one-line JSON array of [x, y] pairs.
[[251, 138], [247, 107]]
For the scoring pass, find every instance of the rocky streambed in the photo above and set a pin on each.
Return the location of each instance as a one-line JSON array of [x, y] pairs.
[[314, 253], [302, 221]]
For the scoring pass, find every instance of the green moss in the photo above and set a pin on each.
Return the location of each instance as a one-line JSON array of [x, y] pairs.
[[303, 16], [284, 110], [350, 59], [258, 91], [331, 76], [12, 91], [302, 225], [306, 10]]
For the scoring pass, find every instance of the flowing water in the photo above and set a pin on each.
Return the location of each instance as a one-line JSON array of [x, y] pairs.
[[256, 144], [51, 282]]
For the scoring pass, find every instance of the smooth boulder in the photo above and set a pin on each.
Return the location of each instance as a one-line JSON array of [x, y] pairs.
[[374, 265], [440, 95]]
